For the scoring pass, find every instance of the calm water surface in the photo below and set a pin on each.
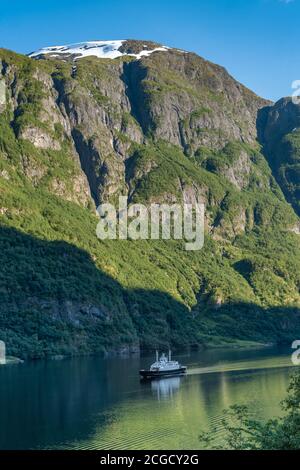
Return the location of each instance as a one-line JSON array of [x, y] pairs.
[[93, 403]]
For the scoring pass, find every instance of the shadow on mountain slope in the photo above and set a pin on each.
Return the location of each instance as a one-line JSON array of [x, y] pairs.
[[54, 300], [278, 133]]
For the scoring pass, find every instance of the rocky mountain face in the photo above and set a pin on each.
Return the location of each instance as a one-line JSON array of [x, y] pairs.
[[280, 135], [83, 124]]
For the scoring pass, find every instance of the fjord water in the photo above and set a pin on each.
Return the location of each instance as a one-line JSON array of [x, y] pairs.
[[95, 403]]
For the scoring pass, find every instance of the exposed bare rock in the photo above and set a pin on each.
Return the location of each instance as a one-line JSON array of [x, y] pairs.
[[40, 138], [4, 174], [279, 131], [157, 125], [33, 170], [74, 313], [295, 228], [2, 95], [194, 194], [238, 174], [81, 190]]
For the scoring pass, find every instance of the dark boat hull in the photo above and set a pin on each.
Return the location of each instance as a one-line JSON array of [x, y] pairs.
[[149, 374]]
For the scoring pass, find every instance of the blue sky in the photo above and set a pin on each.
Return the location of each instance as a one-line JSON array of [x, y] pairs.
[[256, 40]]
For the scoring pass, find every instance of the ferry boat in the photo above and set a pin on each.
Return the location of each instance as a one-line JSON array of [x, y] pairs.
[[163, 367]]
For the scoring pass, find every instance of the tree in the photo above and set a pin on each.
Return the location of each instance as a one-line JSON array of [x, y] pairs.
[[243, 432]]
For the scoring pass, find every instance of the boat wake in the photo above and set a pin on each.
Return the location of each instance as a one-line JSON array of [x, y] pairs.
[[269, 363]]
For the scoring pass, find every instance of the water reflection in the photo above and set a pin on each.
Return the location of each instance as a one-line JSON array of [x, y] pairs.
[[165, 388], [96, 404]]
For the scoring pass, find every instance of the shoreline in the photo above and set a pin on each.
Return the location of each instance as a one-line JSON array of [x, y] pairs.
[[127, 353]]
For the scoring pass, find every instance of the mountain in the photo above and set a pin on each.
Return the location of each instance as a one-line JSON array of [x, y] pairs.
[[100, 49], [281, 138], [85, 123]]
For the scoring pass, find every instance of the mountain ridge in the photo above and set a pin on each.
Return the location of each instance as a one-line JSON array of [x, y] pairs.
[[101, 49], [169, 127]]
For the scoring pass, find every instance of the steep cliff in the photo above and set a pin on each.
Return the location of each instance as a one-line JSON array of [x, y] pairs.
[[281, 138], [78, 127]]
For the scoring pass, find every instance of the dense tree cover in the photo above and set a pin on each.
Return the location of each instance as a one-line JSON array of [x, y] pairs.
[[65, 291], [245, 432]]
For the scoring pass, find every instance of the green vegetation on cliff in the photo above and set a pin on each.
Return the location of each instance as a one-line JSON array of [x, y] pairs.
[[70, 138]]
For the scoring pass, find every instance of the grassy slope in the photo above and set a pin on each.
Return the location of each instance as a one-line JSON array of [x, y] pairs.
[[154, 292]]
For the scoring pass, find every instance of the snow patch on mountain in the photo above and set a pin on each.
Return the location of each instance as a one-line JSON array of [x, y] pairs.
[[101, 49]]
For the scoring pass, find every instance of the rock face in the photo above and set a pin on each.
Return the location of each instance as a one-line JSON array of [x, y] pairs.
[[101, 107], [281, 136], [169, 95], [100, 49], [83, 124], [2, 95], [39, 138]]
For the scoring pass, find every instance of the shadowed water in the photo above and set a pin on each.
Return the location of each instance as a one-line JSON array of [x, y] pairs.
[[93, 403]]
